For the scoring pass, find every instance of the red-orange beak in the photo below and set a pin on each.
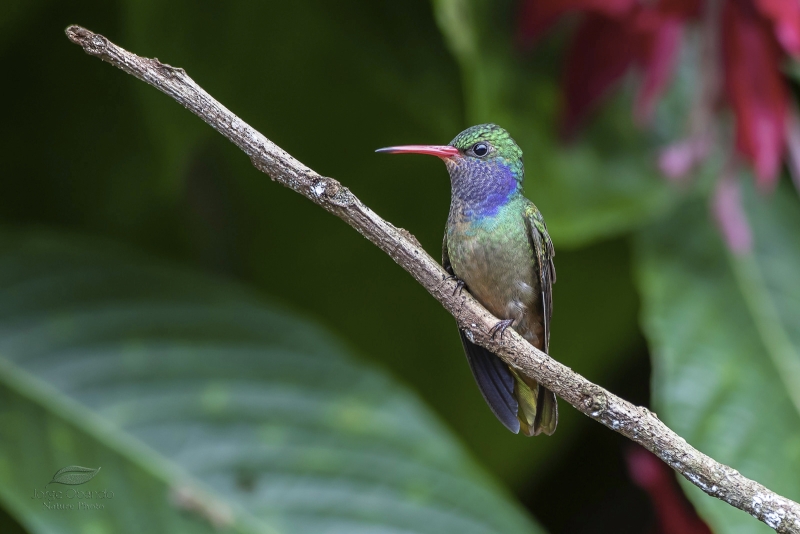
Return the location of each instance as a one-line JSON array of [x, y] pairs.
[[443, 152]]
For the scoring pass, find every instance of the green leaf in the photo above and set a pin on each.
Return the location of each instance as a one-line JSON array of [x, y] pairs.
[[208, 410], [792, 69], [725, 343], [603, 185], [73, 475]]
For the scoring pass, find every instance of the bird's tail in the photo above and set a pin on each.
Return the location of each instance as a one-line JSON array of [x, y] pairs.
[[538, 408], [519, 402]]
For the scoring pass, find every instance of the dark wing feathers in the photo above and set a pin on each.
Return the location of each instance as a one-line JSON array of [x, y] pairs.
[[544, 252], [547, 413], [495, 382]]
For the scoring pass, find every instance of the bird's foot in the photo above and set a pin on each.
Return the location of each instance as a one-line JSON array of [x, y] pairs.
[[500, 327], [459, 284]]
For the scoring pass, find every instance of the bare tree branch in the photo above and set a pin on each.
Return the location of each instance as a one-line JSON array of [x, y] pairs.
[[634, 422]]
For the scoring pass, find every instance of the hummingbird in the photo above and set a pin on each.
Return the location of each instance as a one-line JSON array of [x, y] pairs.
[[497, 247]]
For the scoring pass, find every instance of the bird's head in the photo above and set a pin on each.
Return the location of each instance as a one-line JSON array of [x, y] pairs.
[[482, 153]]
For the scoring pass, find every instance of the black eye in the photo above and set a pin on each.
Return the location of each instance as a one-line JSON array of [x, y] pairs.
[[480, 149]]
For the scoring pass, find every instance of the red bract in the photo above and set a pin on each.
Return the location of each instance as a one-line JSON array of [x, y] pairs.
[[537, 16], [674, 513], [754, 37], [755, 88], [658, 54], [785, 16], [613, 36], [600, 41]]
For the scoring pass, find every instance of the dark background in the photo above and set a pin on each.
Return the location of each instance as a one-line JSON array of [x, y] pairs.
[[89, 149]]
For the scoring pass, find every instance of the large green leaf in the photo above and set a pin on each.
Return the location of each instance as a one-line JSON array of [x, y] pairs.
[[603, 185], [725, 339], [203, 406]]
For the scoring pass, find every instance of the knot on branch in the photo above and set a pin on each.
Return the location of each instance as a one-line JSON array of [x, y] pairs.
[[92, 43], [328, 190], [409, 236], [168, 71], [594, 399]]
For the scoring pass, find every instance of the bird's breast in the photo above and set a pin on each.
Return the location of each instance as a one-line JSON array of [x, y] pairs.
[[494, 258]]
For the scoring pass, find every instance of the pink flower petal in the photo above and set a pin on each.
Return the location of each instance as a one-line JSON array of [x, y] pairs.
[[756, 89], [785, 17], [676, 160], [730, 215]]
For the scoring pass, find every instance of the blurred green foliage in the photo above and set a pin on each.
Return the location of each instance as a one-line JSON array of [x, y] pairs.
[[726, 338], [87, 148], [206, 407]]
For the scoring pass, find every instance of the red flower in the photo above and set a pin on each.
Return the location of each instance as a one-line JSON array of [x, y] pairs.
[[755, 87], [751, 38], [673, 511]]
